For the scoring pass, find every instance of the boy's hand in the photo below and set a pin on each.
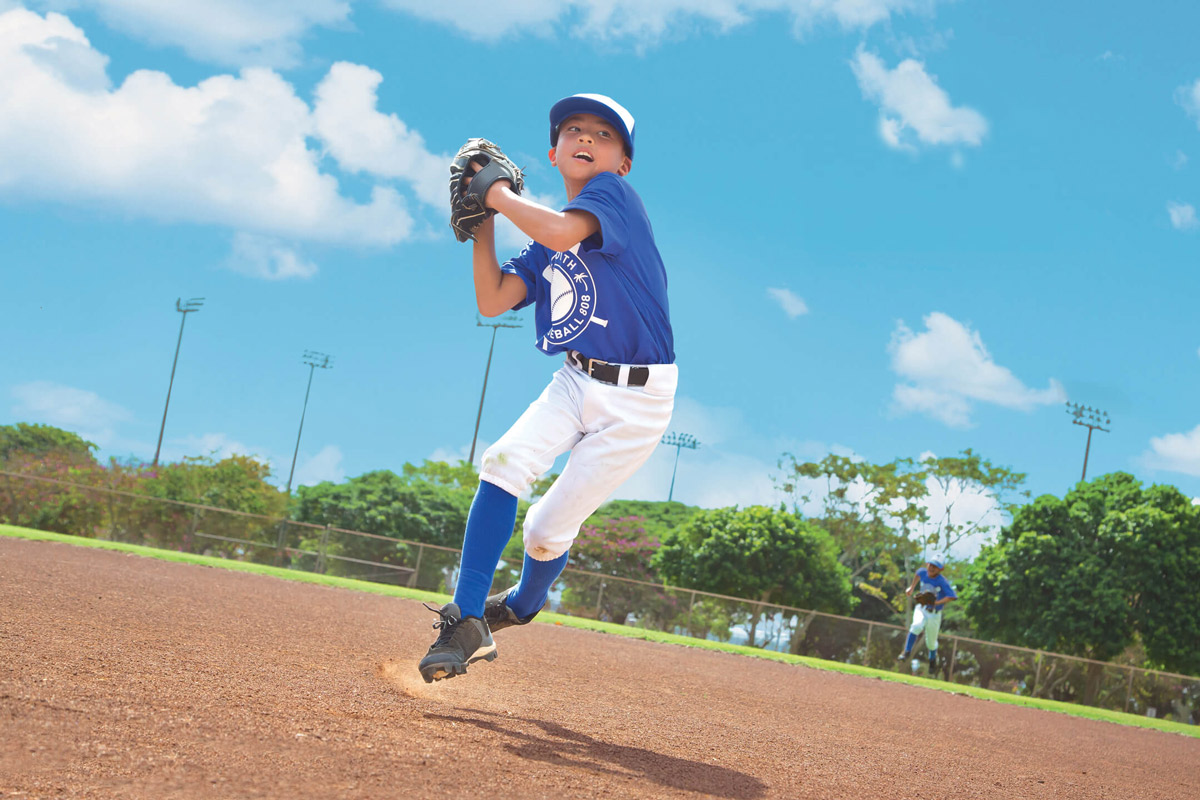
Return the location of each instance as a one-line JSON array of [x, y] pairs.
[[488, 200], [478, 167]]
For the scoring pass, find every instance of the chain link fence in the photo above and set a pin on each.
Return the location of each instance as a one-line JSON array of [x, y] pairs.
[[194, 528]]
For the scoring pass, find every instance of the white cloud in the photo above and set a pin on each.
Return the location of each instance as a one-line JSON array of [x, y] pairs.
[[1189, 98], [912, 105], [965, 508], [707, 477], [946, 367], [324, 466], [1175, 452], [269, 32], [792, 305], [214, 445], [1183, 216], [267, 258], [232, 150], [77, 410], [646, 22], [236, 32], [363, 139], [1180, 160]]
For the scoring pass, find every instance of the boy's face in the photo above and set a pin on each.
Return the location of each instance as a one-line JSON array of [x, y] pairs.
[[933, 570], [588, 145]]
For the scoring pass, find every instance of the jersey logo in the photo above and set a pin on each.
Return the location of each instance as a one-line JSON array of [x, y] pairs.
[[571, 299]]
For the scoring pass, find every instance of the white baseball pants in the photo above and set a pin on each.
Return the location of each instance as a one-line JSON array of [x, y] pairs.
[[931, 623], [610, 431]]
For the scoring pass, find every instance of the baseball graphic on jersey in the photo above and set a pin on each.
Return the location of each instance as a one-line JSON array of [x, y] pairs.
[[572, 297], [562, 295]]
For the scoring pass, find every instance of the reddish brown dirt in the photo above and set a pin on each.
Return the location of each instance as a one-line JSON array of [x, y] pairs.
[[128, 677]]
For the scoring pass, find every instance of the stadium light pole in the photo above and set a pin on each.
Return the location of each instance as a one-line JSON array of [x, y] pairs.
[[1091, 418], [315, 361], [507, 321], [192, 305], [678, 441]]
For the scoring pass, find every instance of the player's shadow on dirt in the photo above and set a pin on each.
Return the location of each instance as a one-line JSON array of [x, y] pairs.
[[562, 746]]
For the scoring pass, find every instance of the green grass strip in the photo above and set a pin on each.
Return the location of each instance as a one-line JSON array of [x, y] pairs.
[[1072, 709]]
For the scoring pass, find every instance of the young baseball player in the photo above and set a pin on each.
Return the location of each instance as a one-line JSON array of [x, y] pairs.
[[599, 285], [935, 593]]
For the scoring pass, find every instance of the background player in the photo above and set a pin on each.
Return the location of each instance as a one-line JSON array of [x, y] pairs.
[[935, 592], [600, 288]]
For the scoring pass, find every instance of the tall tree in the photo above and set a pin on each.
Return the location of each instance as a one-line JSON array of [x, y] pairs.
[[43, 451], [759, 553], [882, 517], [615, 547], [655, 516], [1085, 574], [34, 441]]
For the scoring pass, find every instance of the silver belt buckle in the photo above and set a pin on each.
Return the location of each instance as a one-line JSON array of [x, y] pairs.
[[592, 362]]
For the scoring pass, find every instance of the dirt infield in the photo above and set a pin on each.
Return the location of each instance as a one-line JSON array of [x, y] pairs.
[[129, 677]]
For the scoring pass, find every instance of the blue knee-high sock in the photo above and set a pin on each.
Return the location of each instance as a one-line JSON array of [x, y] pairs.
[[489, 527], [932, 657], [536, 579], [908, 645]]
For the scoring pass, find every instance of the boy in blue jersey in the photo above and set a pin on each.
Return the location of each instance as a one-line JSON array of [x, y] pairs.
[[599, 287], [928, 617]]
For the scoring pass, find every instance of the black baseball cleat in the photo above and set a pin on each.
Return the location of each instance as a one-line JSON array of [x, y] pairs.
[[904, 656], [498, 615], [462, 641]]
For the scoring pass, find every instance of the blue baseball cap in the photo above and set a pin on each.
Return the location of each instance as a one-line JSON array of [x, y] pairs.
[[602, 106], [937, 561]]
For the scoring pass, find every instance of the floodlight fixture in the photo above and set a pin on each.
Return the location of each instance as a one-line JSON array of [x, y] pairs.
[[193, 304], [315, 360], [678, 441], [1093, 419]]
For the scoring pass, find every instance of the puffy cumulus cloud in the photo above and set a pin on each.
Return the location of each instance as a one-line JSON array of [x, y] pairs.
[[792, 304], [78, 410], [644, 21], [231, 151], [324, 466], [1175, 452], [269, 32], [946, 368], [363, 139], [236, 32], [913, 106], [267, 258], [1183, 216]]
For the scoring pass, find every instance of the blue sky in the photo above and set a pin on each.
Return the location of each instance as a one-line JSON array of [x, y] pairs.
[[892, 227]]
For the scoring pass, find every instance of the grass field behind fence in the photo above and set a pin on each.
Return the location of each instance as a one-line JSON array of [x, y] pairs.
[[1072, 709]]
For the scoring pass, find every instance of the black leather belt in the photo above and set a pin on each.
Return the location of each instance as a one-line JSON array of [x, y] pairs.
[[608, 373]]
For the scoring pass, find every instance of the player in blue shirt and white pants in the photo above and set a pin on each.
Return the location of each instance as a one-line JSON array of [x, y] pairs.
[[600, 288], [928, 618]]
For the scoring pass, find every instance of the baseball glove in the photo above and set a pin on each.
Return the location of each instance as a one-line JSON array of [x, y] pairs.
[[467, 209], [925, 598]]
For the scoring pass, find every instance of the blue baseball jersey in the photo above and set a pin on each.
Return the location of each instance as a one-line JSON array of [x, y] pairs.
[[939, 586], [607, 297]]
